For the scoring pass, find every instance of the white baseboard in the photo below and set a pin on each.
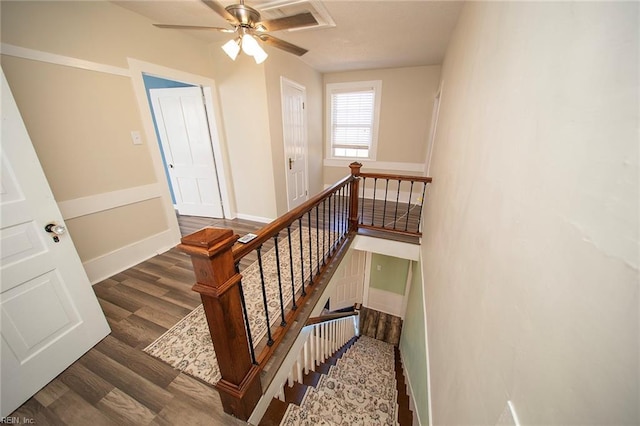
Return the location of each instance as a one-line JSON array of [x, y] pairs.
[[409, 389], [254, 218], [109, 264]]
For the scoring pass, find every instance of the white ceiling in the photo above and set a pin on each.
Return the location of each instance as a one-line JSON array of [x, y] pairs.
[[368, 34]]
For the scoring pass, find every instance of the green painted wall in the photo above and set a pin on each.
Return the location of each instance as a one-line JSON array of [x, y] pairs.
[[388, 273], [413, 345]]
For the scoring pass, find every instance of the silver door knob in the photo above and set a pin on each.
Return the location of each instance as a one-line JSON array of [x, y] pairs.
[[55, 229]]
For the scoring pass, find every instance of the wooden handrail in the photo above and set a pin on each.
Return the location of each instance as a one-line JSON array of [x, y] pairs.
[[425, 179], [240, 250], [330, 317]]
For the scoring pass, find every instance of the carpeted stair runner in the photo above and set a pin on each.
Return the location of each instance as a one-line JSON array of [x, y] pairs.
[[359, 389]]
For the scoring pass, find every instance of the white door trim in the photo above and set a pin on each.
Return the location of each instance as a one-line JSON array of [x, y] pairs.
[[285, 81], [208, 85]]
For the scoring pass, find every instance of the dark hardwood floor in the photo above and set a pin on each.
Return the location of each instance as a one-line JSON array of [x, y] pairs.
[[116, 383]]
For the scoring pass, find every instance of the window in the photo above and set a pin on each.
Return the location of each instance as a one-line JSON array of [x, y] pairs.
[[353, 110]]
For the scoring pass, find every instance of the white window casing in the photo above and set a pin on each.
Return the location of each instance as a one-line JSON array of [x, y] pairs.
[[352, 119]]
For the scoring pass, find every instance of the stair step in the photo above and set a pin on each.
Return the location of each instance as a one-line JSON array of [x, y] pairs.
[[343, 411], [294, 416], [275, 413], [358, 397], [295, 393], [377, 385]]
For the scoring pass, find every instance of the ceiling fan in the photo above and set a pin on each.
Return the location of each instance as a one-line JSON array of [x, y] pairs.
[[249, 29]]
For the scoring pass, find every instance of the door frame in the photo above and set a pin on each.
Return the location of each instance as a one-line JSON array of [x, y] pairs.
[[285, 81], [138, 68]]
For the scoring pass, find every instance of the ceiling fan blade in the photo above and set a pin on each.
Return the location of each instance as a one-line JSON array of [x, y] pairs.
[[193, 27], [220, 10], [281, 44], [288, 22]]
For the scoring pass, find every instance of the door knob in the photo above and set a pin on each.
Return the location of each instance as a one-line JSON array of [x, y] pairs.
[[55, 229], [290, 162]]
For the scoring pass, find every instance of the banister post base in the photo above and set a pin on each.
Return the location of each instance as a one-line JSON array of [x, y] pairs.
[[240, 400], [219, 286]]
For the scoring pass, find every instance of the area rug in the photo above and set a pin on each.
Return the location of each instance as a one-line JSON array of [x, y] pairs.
[[187, 345]]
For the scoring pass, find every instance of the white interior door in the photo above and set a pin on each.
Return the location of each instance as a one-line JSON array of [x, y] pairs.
[[295, 141], [186, 142], [49, 313], [349, 285]]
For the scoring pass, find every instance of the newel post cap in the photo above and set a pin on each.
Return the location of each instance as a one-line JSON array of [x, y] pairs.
[[208, 241], [355, 168]]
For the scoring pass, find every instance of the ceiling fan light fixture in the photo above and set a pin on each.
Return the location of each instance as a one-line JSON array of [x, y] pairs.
[[250, 45], [232, 48], [260, 56]]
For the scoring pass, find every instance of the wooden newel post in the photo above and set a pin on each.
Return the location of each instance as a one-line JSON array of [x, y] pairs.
[[353, 205], [218, 284]]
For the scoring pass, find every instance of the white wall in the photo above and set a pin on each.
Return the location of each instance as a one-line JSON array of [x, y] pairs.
[[531, 245]]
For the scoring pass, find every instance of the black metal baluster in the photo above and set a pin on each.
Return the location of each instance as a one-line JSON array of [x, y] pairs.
[[246, 319], [264, 297], [406, 225], [424, 188], [275, 240], [329, 218], [310, 250], [317, 240], [345, 211], [293, 283], [324, 232], [364, 182], [304, 293], [395, 216], [373, 208], [384, 208]]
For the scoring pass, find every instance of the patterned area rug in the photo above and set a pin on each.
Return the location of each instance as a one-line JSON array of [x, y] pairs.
[[359, 390], [187, 345]]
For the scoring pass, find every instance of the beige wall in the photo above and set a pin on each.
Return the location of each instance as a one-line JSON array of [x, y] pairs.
[[289, 66], [405, 115], [80, 120], [531, 244], [243, 95]]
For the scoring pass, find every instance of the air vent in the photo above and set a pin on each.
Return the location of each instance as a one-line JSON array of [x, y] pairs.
[[280, 8]]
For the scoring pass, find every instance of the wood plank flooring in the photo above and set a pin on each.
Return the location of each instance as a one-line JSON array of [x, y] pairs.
[[116, 383]]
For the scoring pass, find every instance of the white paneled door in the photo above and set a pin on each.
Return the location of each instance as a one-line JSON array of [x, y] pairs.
[[49, 314], [294, 131], [186, 143], [349, 284]]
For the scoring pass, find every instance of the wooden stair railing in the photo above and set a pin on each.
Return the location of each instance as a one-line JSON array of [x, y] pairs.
[[216, 257]]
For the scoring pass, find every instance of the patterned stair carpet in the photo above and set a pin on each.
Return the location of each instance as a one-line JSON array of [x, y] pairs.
[[187, 345], [359, 390]]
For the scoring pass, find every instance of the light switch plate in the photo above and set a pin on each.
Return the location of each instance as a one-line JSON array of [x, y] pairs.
[[136, 137]]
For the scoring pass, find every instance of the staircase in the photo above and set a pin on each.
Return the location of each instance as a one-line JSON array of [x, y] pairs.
[[360, 384]]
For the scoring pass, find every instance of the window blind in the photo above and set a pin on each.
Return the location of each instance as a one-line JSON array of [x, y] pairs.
[[352, 116]]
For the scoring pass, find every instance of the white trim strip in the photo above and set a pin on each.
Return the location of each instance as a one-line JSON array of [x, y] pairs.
[[108, 200], [112, 263], [254, 218], [367, 166], [67, 61]]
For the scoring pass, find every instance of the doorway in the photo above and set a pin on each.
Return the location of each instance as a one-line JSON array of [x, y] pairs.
[[214, 118]]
